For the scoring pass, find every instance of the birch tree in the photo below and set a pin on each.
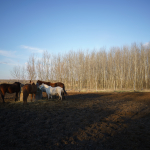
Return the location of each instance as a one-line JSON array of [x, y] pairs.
[[31, 68]]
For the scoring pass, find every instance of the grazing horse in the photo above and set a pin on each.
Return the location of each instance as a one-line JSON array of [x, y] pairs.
[[29, 89], [53, 85], [10, 88], [52, 90]]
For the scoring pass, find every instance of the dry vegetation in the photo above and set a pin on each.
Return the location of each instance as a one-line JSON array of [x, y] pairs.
[[82, 121]]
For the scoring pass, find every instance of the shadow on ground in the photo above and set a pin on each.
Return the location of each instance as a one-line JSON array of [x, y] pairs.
[[81, 121]]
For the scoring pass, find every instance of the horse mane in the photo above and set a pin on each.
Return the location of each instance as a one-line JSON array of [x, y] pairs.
[[16, 83], [45, 84], [40, 82]]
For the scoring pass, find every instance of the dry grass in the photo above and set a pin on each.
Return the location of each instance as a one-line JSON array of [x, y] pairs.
[[82, 121]]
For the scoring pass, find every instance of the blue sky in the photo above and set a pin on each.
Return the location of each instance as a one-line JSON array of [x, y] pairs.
[[31, 26]]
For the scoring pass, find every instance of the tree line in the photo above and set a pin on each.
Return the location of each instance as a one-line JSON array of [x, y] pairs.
[[126, 67]]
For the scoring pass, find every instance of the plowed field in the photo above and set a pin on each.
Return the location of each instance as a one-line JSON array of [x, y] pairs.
[[106, 121]]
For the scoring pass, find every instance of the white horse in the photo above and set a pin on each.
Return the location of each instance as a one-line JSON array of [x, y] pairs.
[[52, 90]]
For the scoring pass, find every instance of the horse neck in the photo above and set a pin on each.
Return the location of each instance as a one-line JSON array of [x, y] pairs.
[[39, 82], [45, 85], [16, 83]]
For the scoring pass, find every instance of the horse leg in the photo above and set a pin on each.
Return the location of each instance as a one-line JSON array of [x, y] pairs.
[[31, 97], [50, 96], [64, 95], [2, 92], [3, 97], [60, 96], [25, 96], [25, 100], [47, 95], [34, 97], [19, 96], [16, 98]]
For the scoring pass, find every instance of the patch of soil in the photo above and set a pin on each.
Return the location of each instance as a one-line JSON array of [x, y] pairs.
[[81, 121]]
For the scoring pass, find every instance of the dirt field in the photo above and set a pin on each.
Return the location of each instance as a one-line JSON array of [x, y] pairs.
[[107, 121]]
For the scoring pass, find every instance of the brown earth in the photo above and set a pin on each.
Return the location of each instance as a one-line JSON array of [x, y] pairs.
[[107, 121]]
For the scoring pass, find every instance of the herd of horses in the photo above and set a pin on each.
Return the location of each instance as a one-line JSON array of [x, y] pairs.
[[31, 88]]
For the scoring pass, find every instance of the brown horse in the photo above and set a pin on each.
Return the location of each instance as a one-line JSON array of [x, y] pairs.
[[10, 88], [29, 89], [53, 85]]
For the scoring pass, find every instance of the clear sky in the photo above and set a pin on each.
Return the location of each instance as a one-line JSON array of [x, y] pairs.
[[58, 26]]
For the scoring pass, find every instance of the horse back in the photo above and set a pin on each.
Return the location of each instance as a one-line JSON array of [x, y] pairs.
[[12, 88], [53, 84], [60, 84], [4, 87], [59, 89], [9, 88], [57, 84], [40, 82], [30, 88], [27, 87]]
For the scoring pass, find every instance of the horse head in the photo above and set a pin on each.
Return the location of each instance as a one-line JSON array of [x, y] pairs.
[[32, 83], [41, 86], [18, 84], [39, 82]]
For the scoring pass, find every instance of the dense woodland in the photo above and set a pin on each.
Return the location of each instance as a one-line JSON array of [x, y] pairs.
[[126, 67]]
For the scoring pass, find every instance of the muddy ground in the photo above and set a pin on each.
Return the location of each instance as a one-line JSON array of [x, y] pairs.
[[107, 121]]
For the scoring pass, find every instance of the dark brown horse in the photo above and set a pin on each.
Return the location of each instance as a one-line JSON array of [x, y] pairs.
[[53, 85], [30, 88], [10, 88]]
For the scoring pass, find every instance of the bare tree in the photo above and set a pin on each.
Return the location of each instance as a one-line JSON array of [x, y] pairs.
[[119, 68], [16, 72], [31, 68], [39, 70], [23, 73]]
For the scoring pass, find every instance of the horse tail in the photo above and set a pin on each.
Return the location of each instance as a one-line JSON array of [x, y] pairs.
[[1, 92], [25, 94], [62, 90], [65, 90]]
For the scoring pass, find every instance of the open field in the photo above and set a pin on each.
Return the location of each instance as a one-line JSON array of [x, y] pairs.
[[83, 121]]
